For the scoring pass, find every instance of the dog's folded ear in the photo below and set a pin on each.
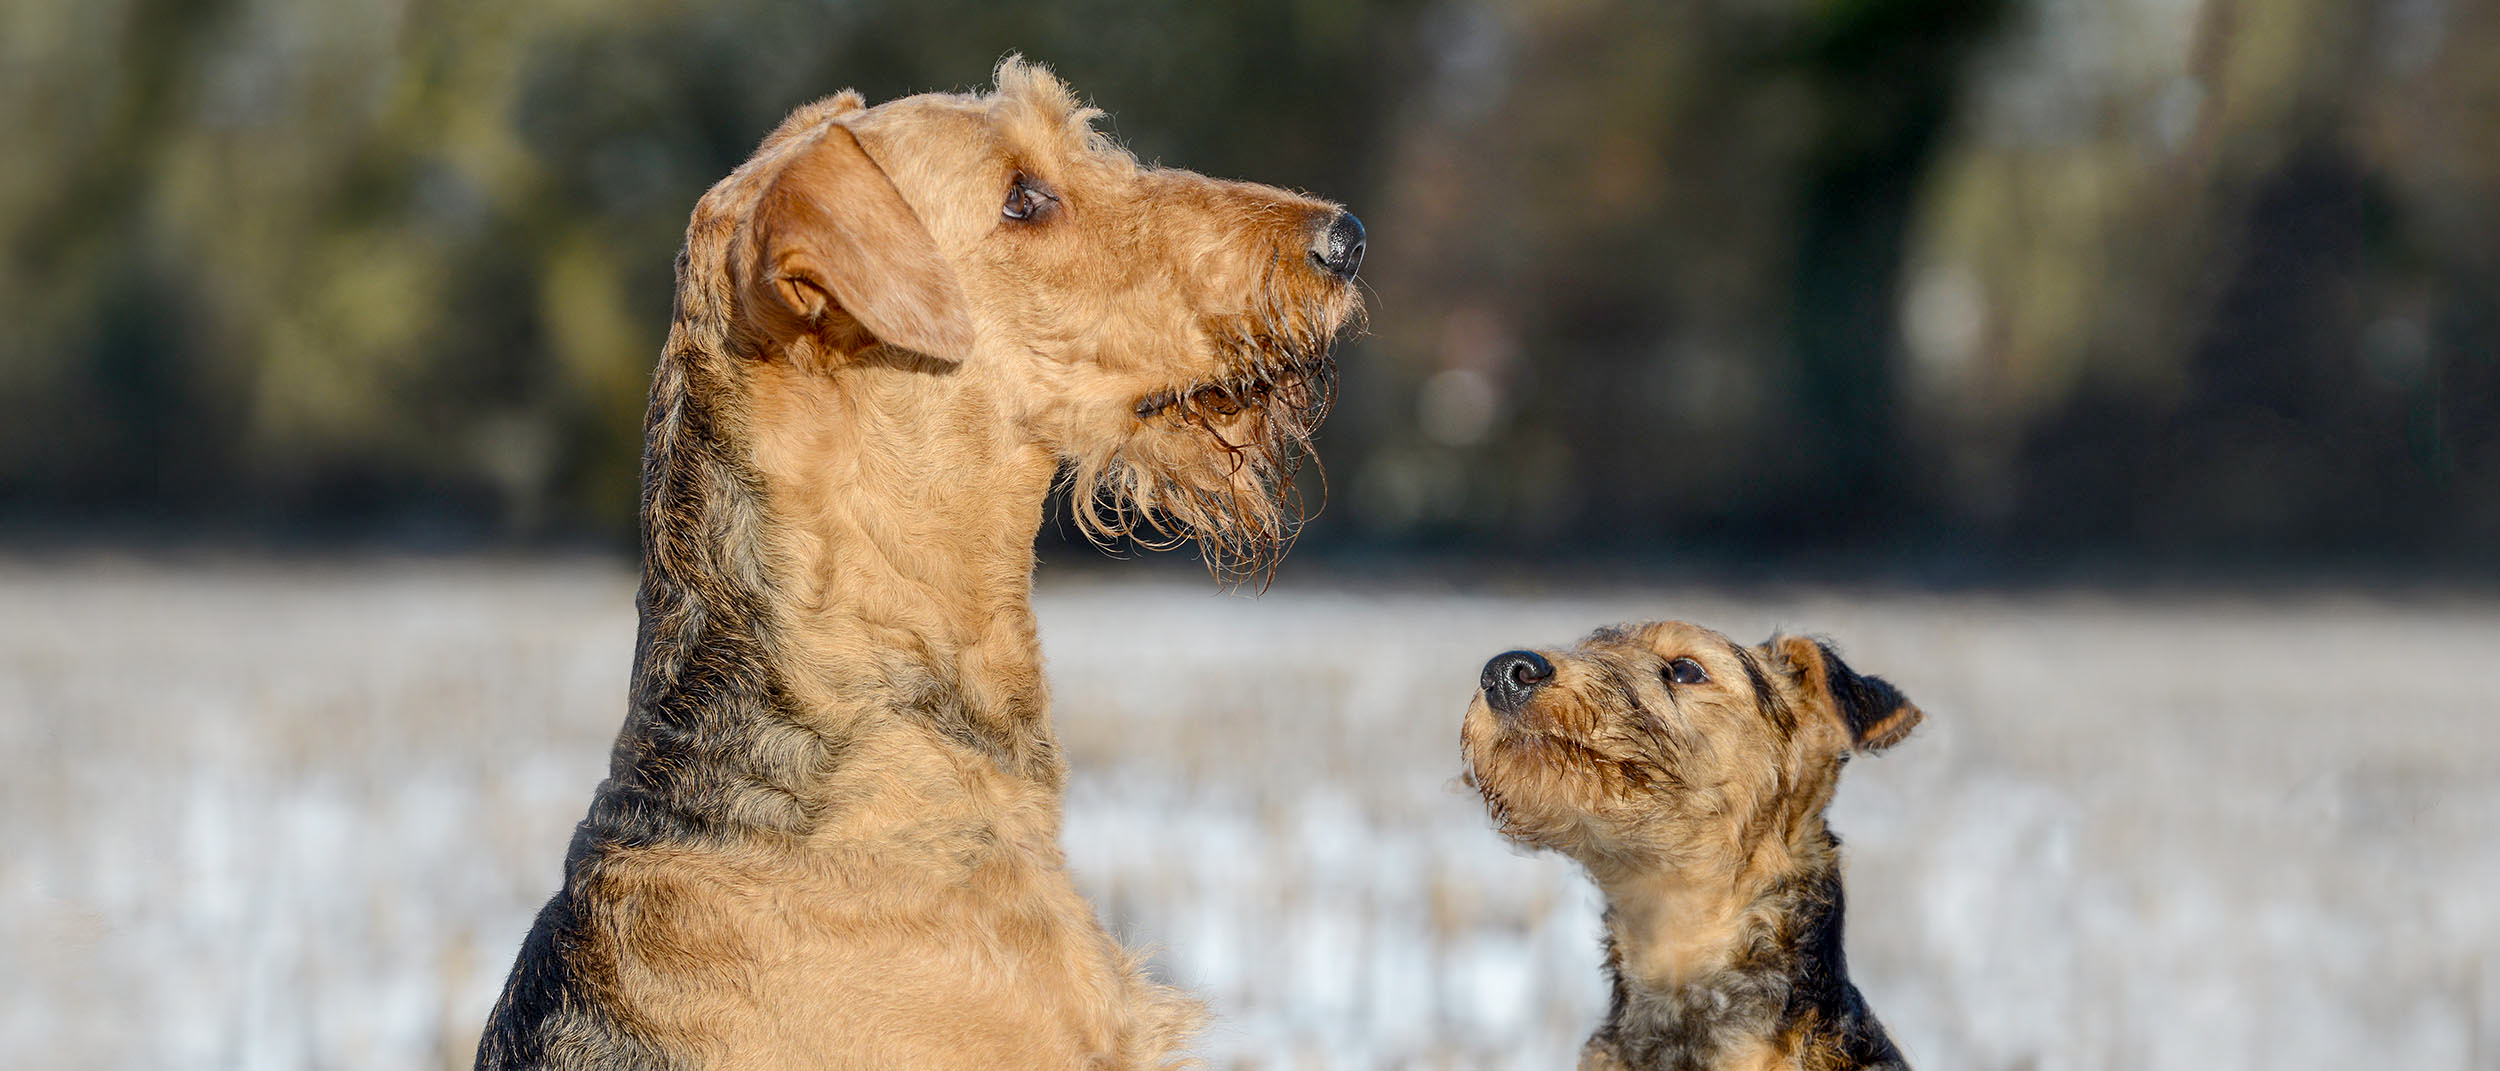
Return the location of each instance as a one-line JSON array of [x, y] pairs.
[[1874, 712], [841, 261]]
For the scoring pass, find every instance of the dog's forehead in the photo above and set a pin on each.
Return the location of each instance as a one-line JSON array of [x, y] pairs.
[[924, 122], [1666, 639], [1018, 124]]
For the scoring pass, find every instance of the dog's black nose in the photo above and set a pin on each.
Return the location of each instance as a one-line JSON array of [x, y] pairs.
[[1511, 677], [1339, 247]]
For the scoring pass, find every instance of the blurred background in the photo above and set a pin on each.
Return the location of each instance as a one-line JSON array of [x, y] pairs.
[[2121, 378]]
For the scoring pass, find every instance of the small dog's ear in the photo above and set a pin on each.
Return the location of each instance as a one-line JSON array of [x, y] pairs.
[[838, 254], [1876, 714]]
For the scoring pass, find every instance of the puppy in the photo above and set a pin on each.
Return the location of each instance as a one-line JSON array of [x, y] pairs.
[[1688, 774]]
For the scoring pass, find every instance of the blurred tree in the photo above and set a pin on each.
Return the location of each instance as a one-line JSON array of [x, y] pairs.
[[1941, 280], [2322, 390], [1887, 76], [1683, 251], [378, 263]]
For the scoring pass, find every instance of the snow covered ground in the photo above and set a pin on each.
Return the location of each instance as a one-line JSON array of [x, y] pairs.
[[256, 817]]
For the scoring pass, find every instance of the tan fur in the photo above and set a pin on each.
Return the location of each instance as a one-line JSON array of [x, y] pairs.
[[900, 372]]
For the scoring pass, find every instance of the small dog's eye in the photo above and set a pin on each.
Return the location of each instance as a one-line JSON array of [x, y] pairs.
[[1024, 201], [1684, 671]]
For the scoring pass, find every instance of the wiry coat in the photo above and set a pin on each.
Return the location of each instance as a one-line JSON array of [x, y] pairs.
[[829, 833]]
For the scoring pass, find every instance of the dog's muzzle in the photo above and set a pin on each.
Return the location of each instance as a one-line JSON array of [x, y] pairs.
[[1511, 677]]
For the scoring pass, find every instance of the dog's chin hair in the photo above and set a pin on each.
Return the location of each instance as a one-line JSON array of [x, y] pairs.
[[1231, 481], [1518, 796], [1222, 467]]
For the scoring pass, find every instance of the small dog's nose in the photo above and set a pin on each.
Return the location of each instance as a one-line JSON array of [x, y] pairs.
[[1511, 677], [1339, 246]]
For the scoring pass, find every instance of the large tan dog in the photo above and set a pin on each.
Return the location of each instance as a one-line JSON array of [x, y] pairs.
[[830, 833]]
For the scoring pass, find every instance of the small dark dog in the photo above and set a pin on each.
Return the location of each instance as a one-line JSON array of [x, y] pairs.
[[1689, 774]]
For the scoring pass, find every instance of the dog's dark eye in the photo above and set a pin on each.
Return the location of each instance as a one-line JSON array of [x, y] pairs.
[[1025, 200], [1684, 671]]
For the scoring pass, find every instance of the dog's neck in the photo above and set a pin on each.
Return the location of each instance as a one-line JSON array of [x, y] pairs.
[[828, 558], [1738, 967], [901, 510]]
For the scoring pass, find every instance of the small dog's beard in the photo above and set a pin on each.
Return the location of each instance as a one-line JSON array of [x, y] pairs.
[[1497, 770], [1527, 818], [1548, 792], [1223, 465]]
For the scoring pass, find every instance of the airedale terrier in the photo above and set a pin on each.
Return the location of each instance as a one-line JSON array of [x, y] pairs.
[[829, 836], [1688, 774]]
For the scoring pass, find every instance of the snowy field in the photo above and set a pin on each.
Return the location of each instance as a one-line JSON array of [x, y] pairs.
[[262, 818]]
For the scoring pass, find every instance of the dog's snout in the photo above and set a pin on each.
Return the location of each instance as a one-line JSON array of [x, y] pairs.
[[1511, 677], [1338, 248]]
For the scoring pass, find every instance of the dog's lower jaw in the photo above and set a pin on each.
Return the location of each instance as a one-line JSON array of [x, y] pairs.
[[1217, 464]]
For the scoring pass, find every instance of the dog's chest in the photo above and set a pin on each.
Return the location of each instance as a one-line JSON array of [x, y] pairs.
[[809, 966]]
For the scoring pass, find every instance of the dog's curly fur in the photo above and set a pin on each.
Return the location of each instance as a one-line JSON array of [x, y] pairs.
[[1688, 774], [830, 832]]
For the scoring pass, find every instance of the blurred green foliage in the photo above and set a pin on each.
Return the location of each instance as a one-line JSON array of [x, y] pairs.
[[1965, 280]]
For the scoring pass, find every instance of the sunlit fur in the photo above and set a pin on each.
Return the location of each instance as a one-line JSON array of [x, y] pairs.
[[1698, 810], [829, 837]]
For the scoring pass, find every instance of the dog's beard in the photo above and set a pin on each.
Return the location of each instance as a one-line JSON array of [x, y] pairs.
[[1515, 799], [1222, 462], [1544, 790], [1225, 468]]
